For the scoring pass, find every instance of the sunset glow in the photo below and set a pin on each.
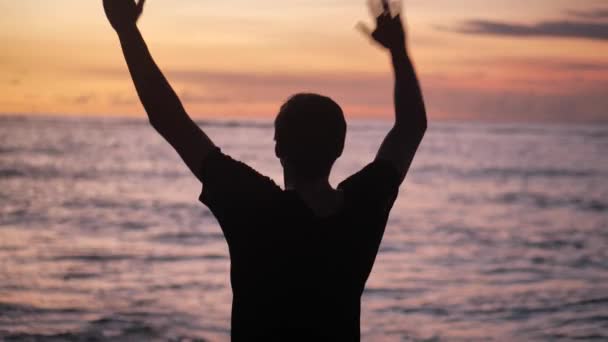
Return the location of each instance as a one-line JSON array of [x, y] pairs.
[[505, 60]]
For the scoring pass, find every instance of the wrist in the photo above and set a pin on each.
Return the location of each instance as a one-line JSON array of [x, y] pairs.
[[126, 30], [399, 52]]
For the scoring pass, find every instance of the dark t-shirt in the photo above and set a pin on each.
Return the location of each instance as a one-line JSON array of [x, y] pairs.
[[296, 276]]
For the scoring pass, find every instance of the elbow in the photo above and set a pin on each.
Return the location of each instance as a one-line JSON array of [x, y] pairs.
[[159, 125], [413, 128], [154, 123], [168, 126], [420, 131], [424, 124]]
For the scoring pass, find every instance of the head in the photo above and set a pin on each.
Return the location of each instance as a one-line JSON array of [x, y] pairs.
[[309, 132]]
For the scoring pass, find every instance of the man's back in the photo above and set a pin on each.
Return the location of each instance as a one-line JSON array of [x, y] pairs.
[[295, 275], [293, 272]]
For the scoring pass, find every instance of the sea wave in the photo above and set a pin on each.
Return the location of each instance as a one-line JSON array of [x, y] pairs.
[[498, 233]]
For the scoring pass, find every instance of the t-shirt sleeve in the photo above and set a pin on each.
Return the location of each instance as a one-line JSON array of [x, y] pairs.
[[377, 185], [232, 189]]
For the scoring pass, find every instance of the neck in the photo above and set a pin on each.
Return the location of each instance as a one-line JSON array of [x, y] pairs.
[[307, 186], [318, 194]]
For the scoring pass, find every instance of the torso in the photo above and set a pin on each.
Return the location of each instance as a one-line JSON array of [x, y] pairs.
[[303, 269]]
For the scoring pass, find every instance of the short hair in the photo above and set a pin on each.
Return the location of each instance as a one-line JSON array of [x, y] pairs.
[[310, 130]]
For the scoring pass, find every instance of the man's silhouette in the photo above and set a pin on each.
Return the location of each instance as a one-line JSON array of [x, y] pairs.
[[300, 257]]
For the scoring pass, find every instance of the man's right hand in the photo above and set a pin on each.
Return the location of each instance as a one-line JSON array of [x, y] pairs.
[[123, 14]]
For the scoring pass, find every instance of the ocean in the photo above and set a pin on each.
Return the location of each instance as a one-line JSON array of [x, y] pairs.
[[500, 232]]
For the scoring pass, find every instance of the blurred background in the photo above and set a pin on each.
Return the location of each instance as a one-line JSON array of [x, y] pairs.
[[500, 231]]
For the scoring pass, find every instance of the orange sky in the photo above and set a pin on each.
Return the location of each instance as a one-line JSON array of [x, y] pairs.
[[508, 60]]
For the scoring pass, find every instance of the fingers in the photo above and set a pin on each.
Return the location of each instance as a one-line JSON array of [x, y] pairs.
[[139, 8], [385, 6], [397, 8], [364, 29], [375, 8], [390, 8]]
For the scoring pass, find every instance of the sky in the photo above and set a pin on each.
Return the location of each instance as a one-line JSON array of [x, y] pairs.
[[499, 60]]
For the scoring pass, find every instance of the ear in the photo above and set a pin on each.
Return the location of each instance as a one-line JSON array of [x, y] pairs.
[[277, 150], [340, 149]]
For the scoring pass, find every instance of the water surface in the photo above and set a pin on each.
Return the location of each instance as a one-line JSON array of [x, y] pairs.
[[500, 232]]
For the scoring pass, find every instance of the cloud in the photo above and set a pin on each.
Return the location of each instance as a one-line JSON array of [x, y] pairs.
[[553, 29], [219, 87], [83, 99], [577, 66], [586, 103], [78, 99], [122, 100], [193, 97], [567, 98], [536, 63], [597, 13]]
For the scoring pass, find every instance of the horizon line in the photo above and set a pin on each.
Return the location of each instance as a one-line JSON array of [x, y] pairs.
[[258, 118]]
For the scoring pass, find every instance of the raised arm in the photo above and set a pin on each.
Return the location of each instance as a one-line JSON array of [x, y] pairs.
[[401, 143], [164, 109]]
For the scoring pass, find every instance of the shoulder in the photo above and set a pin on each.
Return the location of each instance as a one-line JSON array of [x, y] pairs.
[[224, 176], [377, 173], [375, 187]]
